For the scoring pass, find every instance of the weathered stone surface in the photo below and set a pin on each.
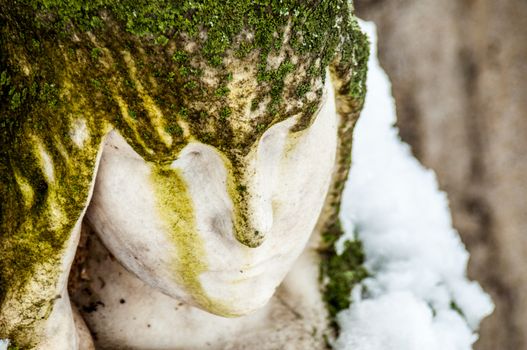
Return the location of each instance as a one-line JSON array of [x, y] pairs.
[[229, 92], [459, 72]]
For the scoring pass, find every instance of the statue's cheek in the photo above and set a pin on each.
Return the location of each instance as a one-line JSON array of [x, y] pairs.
[[149, 220], [123, 212]]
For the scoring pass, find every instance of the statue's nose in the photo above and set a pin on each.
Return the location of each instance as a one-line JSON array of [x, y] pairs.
[[223, 201], [262, 209], [255, 215], [236, 198], [262, 175]]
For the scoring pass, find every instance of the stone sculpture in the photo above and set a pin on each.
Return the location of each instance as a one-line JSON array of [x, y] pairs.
[[206, 139]]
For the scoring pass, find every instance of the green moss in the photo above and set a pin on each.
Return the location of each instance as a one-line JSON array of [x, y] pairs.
[[355, 54], [4, 79], [180, 56], [190, 85], [221, 91], [95, 53], [454, 306], [162, 40], [313, 34], [342, 271], [225, 112], [132, 113], [15, 101], [303, 89], [174, 130]]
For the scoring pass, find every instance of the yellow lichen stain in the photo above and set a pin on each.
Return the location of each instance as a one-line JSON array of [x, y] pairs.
[[32, 252], [186, 130], [123, 107], [26, 189], [57, 216], [155, 114], [175, 207], [46, 162]]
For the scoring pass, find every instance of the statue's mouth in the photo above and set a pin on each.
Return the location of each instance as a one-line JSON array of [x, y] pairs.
[[251, 270]]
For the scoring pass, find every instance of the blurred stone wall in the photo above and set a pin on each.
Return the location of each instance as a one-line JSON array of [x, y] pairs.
[[459, 74]]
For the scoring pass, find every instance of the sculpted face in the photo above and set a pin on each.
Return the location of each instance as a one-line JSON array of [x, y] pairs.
[[174, 225]]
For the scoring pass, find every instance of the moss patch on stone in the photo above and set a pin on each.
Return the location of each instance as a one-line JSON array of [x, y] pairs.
[[341, 271]]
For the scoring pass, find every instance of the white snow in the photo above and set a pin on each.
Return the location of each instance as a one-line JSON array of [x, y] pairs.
[[417, 260], [3, 344]]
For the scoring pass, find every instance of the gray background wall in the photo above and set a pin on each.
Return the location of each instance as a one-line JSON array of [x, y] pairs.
[[459, 74]]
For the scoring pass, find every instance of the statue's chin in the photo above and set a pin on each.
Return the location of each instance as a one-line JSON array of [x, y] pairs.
[[235, 293], [173, 225]]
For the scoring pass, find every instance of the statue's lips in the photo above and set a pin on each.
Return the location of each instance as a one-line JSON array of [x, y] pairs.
[[251, 270]]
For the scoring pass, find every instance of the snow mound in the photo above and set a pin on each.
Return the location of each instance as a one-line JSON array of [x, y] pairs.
[[418, 296]]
